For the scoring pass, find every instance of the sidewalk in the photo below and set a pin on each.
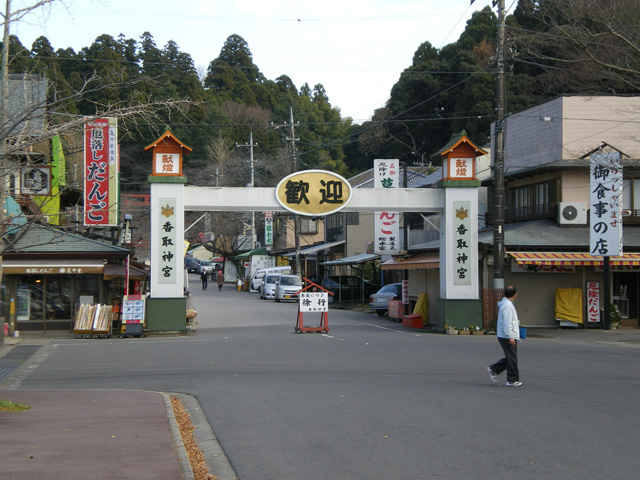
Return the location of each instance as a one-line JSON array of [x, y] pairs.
[[99, 434], [90, 434]]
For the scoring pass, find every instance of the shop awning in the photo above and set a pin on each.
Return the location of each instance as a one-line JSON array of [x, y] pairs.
[[112, 271], [353, 260], [52, 267], [414, 262], [314, 248], [257, 251], [557, 258]]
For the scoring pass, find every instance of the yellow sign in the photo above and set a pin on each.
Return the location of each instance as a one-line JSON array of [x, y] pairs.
[[313, 192]]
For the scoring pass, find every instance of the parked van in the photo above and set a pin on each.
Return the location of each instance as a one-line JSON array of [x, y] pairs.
[[258, 277]]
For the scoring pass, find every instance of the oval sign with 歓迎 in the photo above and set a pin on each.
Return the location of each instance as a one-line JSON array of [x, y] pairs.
[[313, 192]]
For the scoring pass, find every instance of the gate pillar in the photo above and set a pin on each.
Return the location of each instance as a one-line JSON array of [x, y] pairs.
[[167, 302], [460, 304]]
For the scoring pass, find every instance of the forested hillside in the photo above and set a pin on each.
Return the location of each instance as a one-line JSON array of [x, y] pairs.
[[554, 48]]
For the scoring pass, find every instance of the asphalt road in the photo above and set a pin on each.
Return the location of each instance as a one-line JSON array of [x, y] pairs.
[[374, 400]]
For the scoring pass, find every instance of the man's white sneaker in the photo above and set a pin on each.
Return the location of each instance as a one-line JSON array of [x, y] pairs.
[[492, 376], [513, 384]]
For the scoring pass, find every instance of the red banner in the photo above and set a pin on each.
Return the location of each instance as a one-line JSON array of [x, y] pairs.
[[99, 155]]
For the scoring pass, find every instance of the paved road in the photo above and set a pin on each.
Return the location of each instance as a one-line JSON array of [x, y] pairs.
[[374, 400]]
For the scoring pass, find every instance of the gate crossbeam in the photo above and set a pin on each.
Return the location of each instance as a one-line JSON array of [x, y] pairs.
[[264, 199]]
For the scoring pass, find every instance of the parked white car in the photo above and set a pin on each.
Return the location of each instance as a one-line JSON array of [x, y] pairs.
[[268, 287], [287, 288]]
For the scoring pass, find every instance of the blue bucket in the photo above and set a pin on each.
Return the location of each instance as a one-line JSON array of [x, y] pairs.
[[523, 333]]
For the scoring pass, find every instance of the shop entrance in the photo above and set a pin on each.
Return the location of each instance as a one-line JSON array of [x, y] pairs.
[[626, 296], [49, 299]]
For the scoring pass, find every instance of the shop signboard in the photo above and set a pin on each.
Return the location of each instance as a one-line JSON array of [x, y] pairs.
[[314, 301], [133, 309], [268, 228], [101, 172], [385, 224], [605, 225], [532, 268], [593, 302], [405, 292]]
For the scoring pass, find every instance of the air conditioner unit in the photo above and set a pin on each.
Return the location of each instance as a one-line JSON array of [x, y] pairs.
[[572, 213]]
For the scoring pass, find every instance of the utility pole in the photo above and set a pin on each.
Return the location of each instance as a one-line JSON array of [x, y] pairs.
[[498, 159], [4, 78], [294, 168], [250, 145]]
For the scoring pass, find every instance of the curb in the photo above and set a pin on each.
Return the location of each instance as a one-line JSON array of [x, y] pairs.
[[178, 443], [214, 457]]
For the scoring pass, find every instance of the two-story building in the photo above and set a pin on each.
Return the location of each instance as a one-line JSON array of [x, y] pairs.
[[547, 210]]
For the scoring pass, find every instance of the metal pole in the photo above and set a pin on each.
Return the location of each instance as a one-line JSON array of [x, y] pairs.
[[253, 213], [250, 145], [294, 168], [498, 162], [606, 321]]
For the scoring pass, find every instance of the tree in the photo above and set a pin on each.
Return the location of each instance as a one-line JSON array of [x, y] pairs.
[[589, 45], [31, 117]]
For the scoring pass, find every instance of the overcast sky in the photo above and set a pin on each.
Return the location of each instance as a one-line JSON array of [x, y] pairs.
[[355, 48]]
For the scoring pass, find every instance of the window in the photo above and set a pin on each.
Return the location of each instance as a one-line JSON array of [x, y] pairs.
[[631, 194], [532, 201], [353, 218], [308, 225], [335, 220]]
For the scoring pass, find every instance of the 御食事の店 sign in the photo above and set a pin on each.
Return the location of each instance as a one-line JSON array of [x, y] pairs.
[[605, 225], [313, 192]]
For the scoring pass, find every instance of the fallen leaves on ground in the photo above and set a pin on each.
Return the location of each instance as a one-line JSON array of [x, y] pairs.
[[196, 457]]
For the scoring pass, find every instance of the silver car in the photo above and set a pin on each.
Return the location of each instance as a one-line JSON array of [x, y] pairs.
[[268, 287], [379, 301], [287, 288]]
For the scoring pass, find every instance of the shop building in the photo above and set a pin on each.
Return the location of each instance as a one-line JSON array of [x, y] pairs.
[[47, 273]]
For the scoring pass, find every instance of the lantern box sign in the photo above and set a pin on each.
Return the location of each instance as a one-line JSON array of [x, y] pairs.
[[167, 155], [459, 158], [313, 192]]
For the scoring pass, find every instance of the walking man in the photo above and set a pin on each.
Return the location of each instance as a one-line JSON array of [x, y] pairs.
[[203, 277], [508, 335]]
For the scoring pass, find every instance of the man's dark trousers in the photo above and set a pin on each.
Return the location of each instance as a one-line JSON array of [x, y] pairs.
[[509, 362]]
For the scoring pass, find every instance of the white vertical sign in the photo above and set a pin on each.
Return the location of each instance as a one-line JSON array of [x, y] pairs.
[[405, 292], [605, 236], [268, 228], [461, 242], [167, 238], [386, 226], [593, 302]]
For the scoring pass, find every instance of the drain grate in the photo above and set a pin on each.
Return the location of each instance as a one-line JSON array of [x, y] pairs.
[[16, 357]]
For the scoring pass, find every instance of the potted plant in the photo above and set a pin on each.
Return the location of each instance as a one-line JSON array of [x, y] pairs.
[[616, 316]]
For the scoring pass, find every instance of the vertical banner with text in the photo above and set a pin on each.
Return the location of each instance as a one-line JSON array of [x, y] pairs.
[[268, 228], [386, 226], [593, 302], [101, 172], [605, 226]]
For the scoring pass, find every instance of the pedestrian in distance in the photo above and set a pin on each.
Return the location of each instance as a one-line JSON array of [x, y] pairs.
[[508, 330], [220, 280], [203, 277]]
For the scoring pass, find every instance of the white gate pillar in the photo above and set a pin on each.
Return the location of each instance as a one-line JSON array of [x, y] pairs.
[[460, 305], [166, 305]]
